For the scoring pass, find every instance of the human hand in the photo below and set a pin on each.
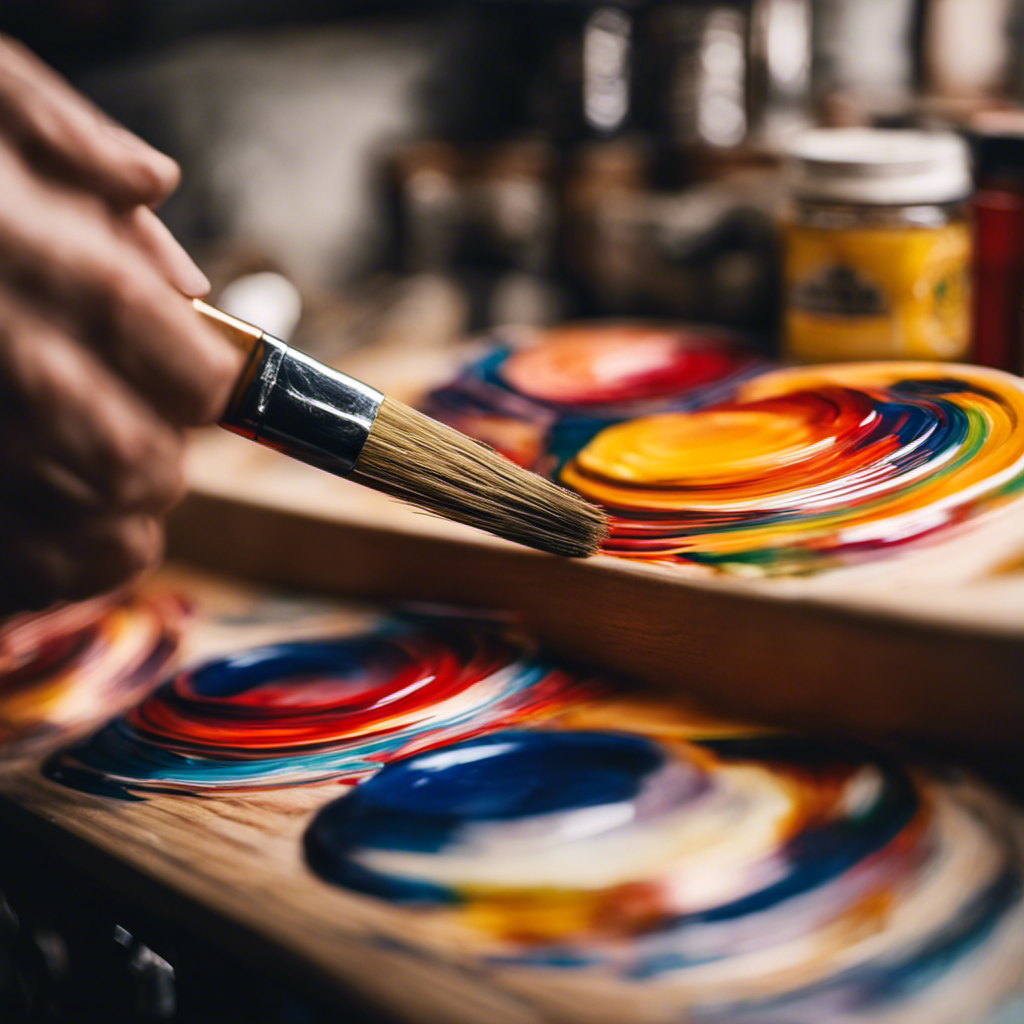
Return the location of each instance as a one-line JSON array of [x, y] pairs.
[[102, 360]]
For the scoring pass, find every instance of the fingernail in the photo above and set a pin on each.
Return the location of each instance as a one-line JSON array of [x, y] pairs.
[[177, 265], [164, 170], [188, 278]]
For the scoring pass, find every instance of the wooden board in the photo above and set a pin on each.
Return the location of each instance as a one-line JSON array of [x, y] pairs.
[[231, 865], [928, 643]]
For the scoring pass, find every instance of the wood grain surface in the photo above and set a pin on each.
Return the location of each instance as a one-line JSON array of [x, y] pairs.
[[231, 864], [929, 643]]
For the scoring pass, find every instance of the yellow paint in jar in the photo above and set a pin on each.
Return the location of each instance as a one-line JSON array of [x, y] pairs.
[[878, 248]]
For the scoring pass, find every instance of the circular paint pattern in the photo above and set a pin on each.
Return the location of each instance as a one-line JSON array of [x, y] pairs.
[[305, 711], [742, 879], [808, 467], [532, 402], [68, 668], [584, 365]]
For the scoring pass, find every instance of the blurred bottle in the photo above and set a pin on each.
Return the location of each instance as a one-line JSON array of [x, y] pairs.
[[726, 74], [641, 109], [878, 246], [480, 213], [998, 143]]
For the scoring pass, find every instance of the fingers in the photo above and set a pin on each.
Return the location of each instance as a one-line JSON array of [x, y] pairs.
[[160, 344], [102, 358], [39, 567], [61, 133], [73, 438], [87, 468], [81, 267], [58, 132], [156, 241]]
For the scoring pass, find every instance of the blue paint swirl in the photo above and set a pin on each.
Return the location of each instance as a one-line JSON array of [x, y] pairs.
[[601, 850]]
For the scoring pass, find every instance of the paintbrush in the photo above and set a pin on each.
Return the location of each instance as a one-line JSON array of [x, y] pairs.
[[296, 405]]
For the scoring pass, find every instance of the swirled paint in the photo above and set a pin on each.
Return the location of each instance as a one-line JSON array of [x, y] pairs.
[[806, 468], [734, 879], [74, 666], [609, 367], [532, 402], [305, 711], [704, 455]]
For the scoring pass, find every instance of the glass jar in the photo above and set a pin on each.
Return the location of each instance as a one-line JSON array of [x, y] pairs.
[[878, 246]]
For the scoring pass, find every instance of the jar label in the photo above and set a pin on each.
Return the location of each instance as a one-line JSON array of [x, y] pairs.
[[877, 293], [839, 290]]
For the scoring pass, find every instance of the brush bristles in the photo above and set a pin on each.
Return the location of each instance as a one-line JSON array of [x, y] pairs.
[[428, 464]]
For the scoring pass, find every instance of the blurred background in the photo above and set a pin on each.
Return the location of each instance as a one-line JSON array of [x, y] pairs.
[[416, 172], [461, 164]]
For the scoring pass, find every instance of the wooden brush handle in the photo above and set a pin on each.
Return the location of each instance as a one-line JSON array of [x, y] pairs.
[[249, 340], [245, 337]]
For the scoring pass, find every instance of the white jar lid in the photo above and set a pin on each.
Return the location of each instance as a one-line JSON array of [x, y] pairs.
[[883, 167]]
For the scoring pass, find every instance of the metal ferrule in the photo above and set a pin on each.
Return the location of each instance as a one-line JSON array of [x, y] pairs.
[[302, 408]]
